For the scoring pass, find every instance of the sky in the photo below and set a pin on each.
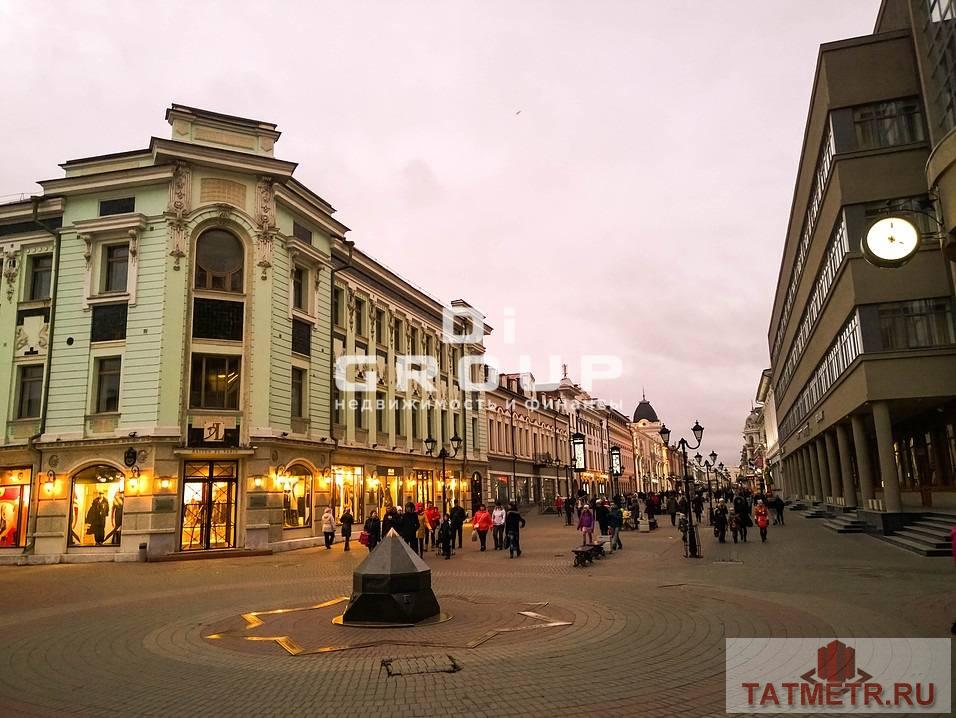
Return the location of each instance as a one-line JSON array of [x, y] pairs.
[[614, 178]]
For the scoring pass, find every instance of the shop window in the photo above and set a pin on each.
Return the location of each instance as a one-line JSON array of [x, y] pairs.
[[301, 337], [214, 382], [30, 391], [296, 485], [219, 261], [217, 319], [97, 512], [115, 267], [41, 273], [298, 392], [108, 322], [122, 205], [14, 504], [298, 289], [107, 384], [301, 232]]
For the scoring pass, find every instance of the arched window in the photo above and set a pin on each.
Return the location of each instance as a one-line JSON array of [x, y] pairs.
[[296, 486], [97, 513], [219, 261]]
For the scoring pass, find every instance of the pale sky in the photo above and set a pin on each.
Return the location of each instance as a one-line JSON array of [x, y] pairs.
[[618, 173]]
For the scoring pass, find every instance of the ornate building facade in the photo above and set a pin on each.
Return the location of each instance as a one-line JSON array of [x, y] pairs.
[[172, 317]]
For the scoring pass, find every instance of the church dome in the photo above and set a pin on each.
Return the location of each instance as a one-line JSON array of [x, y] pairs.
[[645, 411]]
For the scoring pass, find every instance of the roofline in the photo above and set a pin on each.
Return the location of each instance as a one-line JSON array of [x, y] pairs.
[[99, 158], [199, 111]]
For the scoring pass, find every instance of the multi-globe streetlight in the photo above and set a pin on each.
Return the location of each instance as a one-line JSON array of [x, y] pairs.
[[430, 444]]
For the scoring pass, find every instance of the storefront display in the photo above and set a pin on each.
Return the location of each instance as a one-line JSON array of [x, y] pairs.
[[347, 485], [14, 503], [296, 485], [387, 486], [97, 512], [209, 505]]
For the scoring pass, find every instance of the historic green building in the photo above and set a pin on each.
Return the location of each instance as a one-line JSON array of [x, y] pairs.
[[170, 320]]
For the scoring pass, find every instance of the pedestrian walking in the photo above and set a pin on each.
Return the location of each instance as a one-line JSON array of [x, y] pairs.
[[742, 510], [390, 521], [446, 536], [777, 503], [482, 522], [457, 517], [373, 530], [559, 504], [421, 532], [698, 506], [586, 525], [347, 520], [672, 509], [734, 522], [328, 527], [762, 517], [498, 525], [720, 521], [601, 514], [615, 520], [514, 522], [409, 526], [432, 519], [568, 511]]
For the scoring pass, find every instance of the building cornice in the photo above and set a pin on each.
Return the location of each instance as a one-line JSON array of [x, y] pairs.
[[100, 181], [229, 160], [111, 223], [48, 207], [309, 209]]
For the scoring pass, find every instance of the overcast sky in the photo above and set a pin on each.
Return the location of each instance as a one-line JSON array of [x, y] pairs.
[[617, 173]]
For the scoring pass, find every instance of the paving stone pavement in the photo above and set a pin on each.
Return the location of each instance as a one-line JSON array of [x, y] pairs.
[[646, 640]]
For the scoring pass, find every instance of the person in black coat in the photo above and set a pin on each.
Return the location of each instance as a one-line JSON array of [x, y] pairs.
[[373, 527], [720, 521], [409, 526], [347, 520], [742, 510], [514, 522], [568, 511], [600, 513], [457, 518], [390, 521], [446, 536]]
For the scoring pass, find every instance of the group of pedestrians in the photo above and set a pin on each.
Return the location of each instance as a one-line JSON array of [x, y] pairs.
[[588, 512], [739, 511], [422, 526]]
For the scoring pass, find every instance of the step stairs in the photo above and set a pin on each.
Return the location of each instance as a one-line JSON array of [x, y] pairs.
[[845, 524], [929, 535], [817, 511]]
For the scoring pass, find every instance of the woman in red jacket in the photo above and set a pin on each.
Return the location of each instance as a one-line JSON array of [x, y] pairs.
[[482, 524]]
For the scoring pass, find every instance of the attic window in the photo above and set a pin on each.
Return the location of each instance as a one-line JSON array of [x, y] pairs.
[[301, 233], [117, 206]]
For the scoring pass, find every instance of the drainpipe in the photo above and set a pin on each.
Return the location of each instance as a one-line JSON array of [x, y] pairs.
[[31, 442]]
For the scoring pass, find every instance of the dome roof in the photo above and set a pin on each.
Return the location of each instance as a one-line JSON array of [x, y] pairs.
[[646, 412]]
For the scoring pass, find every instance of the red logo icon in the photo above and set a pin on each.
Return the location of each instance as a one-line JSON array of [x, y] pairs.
[[836, 663]]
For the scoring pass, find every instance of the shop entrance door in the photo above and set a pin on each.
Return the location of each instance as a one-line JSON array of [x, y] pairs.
[[209, 505]]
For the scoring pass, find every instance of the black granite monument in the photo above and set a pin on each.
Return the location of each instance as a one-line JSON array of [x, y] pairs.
[[392, 586]]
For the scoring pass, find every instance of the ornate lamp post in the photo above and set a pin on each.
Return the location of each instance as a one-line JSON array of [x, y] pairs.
[[578, 455], [708, 465], [693, 544], [615, 470], [430, 444]]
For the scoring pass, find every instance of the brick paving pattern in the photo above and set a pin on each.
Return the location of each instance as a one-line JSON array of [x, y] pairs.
[[646, 635]]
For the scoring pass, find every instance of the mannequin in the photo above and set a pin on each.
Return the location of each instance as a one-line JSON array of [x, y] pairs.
[[116, 514], [96, 518]]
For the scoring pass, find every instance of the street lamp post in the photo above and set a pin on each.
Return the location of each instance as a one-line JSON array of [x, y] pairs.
[[693, 544], [615, 470], [430, 444], [708, 465]]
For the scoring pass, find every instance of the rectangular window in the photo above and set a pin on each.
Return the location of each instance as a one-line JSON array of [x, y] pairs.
[[399, 418], [416, 423], [413, 349], [107, 384], [115, 267], [298, 289], [301, 232], [338, 306], [360, 422], [298, 392], [301, 337], [474, 433], [117, 206], [31, 391], [214, 382], [108, 322], [916, 324], [380, 326], [41, 271], [380, 404], [885, 124], [217, 319], [360, 317], [338, 407], [429, 349], [398, 336]]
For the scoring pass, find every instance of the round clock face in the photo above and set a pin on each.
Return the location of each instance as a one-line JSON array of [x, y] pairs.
[[891, 242]]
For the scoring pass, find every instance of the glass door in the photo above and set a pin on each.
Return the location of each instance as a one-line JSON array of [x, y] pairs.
[[209, 505]]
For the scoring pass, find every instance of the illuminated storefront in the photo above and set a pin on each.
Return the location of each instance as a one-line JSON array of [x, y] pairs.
[[14, 505], [295, 482], [96, 515], [346, 490], [209, 505]]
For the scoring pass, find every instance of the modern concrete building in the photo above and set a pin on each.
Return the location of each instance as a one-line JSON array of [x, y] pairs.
[[863, 358], [171, 319], [772, 467]]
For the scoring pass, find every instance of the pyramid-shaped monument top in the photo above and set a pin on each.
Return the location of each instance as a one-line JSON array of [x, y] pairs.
[[392, 557], [214, 129]]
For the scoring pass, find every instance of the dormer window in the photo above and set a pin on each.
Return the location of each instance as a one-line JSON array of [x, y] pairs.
[[219, 261]]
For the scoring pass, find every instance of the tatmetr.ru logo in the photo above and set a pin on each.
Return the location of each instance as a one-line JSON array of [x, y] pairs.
[[859, 676]]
